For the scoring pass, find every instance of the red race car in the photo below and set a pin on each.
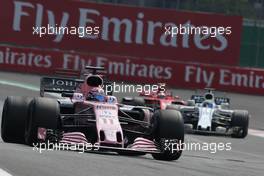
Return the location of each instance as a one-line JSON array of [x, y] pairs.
[[156, 100]]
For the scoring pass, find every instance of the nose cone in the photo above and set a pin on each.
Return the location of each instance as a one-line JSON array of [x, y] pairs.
[[205, 118]]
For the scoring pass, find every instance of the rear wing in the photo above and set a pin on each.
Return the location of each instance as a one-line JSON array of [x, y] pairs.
[[218, 100], [66, 85], [58, 85], [69, 84]]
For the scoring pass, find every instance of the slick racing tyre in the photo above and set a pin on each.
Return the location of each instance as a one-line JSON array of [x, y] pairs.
[[14, 115], [135, 101], [239, 122], [44, 113], [169, 134]]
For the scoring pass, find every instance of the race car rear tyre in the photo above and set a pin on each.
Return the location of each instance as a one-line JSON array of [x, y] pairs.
[[135, 101], [169, 134], [14, 115], [240, 119], [44, 113]]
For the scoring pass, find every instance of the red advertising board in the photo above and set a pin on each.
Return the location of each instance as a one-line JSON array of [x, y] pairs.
[[182, 75], [121, 30]]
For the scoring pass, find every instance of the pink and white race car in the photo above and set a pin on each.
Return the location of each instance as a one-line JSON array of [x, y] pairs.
[[84, 114]]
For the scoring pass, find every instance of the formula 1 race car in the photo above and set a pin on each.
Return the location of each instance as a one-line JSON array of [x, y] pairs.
[[209, 114], [156, 100], [84, 114]]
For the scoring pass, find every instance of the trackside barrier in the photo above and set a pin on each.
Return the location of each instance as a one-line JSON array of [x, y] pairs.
[[138, 70]]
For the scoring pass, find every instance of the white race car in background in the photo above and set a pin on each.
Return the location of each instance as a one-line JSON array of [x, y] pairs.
[[209, 114]]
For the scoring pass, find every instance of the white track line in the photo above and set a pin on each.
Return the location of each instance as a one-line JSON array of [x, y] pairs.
[[26, 86], [258, 133], [4, 173]]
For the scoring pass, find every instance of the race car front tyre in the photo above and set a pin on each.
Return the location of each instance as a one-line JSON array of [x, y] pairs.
[[43, 113], [14, 115], [169, 134], [240, 120]]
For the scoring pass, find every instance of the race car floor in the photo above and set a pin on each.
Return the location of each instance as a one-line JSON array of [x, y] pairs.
[[246, 157]]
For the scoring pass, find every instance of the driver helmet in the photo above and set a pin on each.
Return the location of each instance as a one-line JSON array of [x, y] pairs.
[[96, 94]]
